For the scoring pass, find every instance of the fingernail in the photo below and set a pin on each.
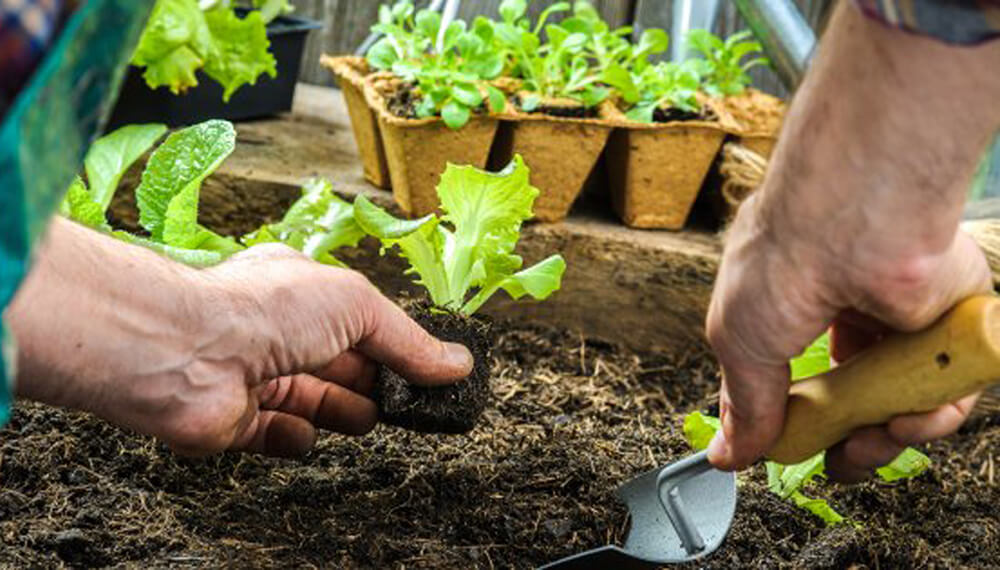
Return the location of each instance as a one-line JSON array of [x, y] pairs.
[[458, 356], [718, 449]]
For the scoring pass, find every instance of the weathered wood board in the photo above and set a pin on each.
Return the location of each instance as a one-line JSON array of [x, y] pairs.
[[646, 289]]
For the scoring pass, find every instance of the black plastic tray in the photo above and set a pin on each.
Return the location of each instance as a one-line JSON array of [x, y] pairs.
[[137, 103]]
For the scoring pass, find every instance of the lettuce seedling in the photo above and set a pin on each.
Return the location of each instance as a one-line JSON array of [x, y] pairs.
[[182, 38], [168, 197], [666, 85], [560, 68], [467, 255], [723, 70], [448, 82], [787, 481], [316, 224]]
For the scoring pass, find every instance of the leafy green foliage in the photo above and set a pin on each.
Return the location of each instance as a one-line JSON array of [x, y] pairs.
[[909, 464], [665, 85], [181, 38], [699, 429], [467, 255], [723, 69], [316, 224], [449, 81], [168, 195], [814, 360], [787, 481], [561, 67]]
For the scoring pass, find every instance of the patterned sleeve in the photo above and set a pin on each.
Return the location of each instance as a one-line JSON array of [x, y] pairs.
[[952, 21]]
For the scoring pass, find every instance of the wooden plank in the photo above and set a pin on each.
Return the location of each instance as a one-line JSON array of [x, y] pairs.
[[646, 289]]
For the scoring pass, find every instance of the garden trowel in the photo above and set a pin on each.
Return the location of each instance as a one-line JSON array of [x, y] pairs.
[[683, 511]]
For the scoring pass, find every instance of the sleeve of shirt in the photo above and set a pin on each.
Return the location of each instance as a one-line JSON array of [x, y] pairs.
[[54, 73], [964, 22]]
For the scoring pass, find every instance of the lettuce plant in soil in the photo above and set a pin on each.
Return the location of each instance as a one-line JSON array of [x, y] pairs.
[[168, 195], [461, 259], [559, 70], [724, 66], [185, 36], [448, 82], [788, 481]]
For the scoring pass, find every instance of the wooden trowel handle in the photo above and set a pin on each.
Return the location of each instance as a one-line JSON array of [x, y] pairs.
[[905, 373]]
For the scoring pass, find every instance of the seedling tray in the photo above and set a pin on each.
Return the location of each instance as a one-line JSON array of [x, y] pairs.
[[137, 103]]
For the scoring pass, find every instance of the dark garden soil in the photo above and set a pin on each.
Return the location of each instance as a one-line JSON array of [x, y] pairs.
[[671, 114], [570, 109], [445, 409], [533, 482]]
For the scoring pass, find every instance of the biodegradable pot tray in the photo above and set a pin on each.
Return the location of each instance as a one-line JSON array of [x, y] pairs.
[[656, 170], [561, 152], [350, 72], [758, 117], [418, 150], [137, 103]]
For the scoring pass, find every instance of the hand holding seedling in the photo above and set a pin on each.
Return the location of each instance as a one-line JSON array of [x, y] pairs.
[[856, 226], [253, 354]]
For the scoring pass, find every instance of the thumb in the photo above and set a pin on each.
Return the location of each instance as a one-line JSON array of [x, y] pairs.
[[391, 337]]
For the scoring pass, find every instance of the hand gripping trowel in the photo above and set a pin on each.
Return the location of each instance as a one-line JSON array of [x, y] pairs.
[[682, 511]]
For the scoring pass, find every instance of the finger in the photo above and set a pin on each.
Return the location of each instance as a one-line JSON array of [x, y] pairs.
[[853, 332], [914, 429], [278, 434], [325, 404], [751, 412], [394, 339], [352, 370], [857, 457]]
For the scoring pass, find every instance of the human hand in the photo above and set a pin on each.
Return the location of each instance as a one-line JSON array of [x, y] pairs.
[[774, 295], [855, 226], [254, 354]]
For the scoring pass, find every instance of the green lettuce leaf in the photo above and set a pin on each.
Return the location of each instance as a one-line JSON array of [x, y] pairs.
[[174, 45], [184, 160], [910, 463], [316, 224], [113, 154], [815, 360], [192, 257], [421, 242], [241, 50], [79, 206], [180, 38], [699, 429], [819, 507]]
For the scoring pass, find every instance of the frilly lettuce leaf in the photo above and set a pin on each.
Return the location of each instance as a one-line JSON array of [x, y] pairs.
[[180, 38], [79, 206], [316, 224], [241, 50], [469, 252]]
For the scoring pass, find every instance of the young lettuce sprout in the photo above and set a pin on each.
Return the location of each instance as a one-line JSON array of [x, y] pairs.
[[449, 82], [169, 192], [722, 69], [467, 255], [787, 481], [666, 85]]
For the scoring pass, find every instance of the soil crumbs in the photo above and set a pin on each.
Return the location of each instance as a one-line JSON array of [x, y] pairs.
[[534, 482]]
